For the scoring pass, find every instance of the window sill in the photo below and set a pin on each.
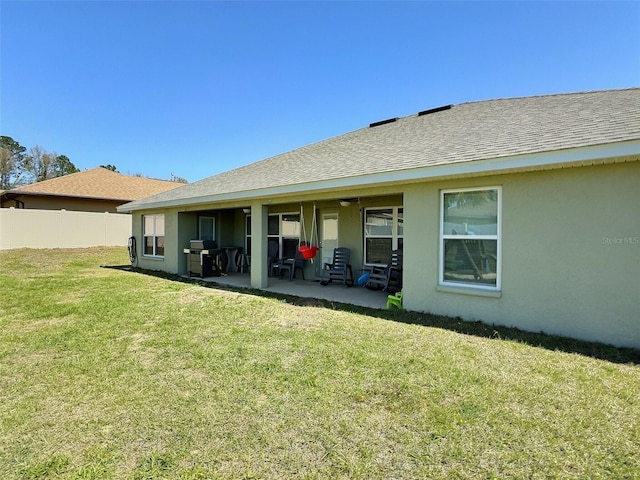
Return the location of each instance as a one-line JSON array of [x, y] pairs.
[[464, 290], [152, 257]]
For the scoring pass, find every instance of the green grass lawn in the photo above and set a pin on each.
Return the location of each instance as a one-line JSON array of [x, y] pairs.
[[106, 373]]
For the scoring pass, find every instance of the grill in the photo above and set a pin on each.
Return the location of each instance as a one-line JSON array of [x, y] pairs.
[[202, 258]]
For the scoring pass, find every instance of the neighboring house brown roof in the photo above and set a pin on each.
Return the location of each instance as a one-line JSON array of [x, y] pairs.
[[98, 183], [453, 137]]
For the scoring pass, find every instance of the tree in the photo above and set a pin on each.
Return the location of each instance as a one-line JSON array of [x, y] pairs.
[[18, 167], [110, 167], [12, 163], [176, 178], [63, 166], [43, 165], [40, 163]]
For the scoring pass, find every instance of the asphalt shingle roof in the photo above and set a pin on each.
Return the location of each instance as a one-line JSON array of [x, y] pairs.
[[99, 183], [464, 133]]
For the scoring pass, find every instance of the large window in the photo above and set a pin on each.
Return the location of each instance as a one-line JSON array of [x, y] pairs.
[[383, 232], [470, 237], [283, 228], [153, 234]]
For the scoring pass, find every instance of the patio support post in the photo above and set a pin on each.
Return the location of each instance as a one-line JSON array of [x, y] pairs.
[[259, 271]]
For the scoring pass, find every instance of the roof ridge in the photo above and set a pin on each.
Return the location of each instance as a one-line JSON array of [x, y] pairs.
[[447, 106], [549, 95]]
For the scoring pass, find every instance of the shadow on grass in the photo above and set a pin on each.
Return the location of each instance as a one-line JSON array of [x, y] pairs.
[[596, 350]]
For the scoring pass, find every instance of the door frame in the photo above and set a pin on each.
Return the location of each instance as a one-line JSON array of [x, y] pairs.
[[326, 257]]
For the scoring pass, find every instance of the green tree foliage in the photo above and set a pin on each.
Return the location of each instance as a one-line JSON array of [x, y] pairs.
[[63, 166], [12, 163], [110, 167]]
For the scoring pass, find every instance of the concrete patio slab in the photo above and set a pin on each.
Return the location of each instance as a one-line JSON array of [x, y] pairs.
[[310, 289]]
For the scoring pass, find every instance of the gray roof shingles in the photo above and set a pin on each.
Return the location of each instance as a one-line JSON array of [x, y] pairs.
[[465, 133]]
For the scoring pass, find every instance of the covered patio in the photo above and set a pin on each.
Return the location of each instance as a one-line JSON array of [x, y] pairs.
[[338, 293], [249, 240]]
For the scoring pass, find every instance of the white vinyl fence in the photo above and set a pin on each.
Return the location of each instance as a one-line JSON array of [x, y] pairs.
[[27, 228]]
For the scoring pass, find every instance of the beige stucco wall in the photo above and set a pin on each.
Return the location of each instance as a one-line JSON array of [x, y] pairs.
[[29, 228], [570, 248], [171, 260], [53, 202], [570, 253]]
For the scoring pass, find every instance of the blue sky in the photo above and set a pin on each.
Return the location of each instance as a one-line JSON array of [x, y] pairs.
[[197, 88]]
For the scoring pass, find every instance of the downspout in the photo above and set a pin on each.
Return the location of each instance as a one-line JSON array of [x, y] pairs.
[[15, 199]]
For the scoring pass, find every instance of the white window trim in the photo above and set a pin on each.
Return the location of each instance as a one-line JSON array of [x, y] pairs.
[[154, 236], [394, 231], [464, 287]]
